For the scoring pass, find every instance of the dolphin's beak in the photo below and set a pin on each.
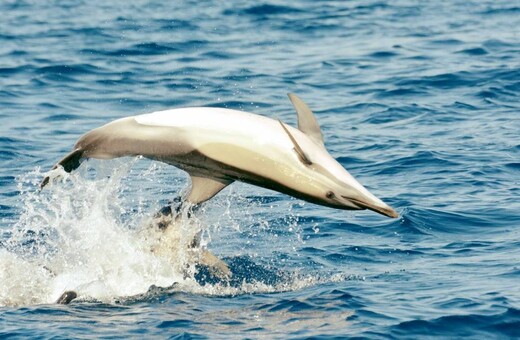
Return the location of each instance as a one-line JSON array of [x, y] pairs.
[[375, 204]]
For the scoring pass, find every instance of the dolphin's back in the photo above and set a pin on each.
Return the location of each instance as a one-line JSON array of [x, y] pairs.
[[202, 125], [198, 139], [230, 137]]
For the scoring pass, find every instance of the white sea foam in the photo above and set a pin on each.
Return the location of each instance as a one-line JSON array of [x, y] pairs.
[[85, 232], [68, 238]]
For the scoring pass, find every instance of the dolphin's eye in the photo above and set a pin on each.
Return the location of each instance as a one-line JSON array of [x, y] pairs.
[[330, 195]]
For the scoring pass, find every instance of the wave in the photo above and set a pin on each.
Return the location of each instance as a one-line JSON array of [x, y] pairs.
[[504, 324], [262, 11]]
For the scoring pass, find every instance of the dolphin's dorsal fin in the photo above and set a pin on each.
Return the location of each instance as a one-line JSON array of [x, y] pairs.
[[301, 155], [204, 188], [307, 123]]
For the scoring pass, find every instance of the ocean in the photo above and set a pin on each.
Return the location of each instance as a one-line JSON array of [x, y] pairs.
[[418, 100]]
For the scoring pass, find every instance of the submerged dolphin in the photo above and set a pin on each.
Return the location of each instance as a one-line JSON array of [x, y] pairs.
[[217, 146]]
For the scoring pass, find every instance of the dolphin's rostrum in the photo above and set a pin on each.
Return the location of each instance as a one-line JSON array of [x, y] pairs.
[[217, 146]]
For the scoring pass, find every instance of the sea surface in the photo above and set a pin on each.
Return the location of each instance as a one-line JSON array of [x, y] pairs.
[[419, 100]]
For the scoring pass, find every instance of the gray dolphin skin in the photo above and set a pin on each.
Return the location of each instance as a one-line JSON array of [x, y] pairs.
[[218, 146]]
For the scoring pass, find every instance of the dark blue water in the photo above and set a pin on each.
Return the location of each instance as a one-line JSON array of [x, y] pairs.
[[418, 100]]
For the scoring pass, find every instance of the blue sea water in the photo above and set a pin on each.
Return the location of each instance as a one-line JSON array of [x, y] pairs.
[[418, 100]]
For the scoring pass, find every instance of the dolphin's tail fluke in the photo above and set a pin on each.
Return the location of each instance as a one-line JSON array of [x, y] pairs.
[[70, 162]]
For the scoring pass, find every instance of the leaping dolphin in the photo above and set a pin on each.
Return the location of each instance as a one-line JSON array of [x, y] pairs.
[[218, 146]]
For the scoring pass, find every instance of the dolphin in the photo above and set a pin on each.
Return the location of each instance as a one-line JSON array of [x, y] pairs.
[[217, 146], [168, 242]]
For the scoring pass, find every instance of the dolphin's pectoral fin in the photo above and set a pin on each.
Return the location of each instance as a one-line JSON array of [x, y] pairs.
[[204, 188], [307, 122], [215, 265], [301, 155]]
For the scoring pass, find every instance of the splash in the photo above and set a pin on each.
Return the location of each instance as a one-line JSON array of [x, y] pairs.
[[69, 238], [90, 232]]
